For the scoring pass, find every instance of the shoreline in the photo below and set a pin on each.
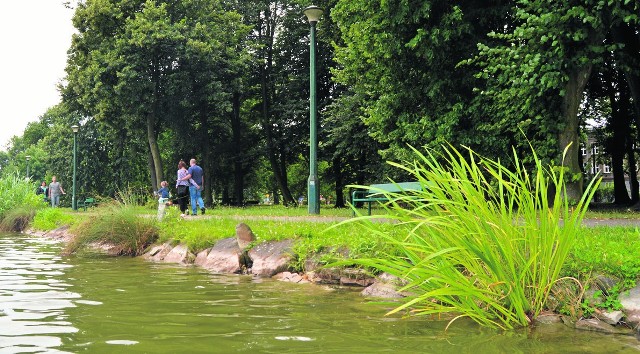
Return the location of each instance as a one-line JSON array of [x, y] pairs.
[[271, 259]]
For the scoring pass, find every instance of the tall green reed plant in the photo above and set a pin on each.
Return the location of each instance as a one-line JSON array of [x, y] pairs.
[[485, 241], [17, 192]]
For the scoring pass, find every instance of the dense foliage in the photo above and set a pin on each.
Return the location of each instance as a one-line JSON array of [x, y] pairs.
[[151, 82]]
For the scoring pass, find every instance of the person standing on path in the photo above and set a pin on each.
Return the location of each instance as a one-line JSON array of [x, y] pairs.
[[197, 174], [55, 189], [182, 185]]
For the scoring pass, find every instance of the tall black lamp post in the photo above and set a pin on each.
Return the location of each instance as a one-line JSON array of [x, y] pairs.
[[313, 14], [74, 202]]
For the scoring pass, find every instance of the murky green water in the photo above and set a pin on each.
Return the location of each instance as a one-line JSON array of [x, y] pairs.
[[50, 303]]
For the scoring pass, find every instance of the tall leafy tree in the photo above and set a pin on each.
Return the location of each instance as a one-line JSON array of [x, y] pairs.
[[401, 59], [537, 76], [120, 65]]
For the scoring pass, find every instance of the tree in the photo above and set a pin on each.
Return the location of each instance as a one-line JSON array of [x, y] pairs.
[[537, 76], [401, 59], [120, 65]]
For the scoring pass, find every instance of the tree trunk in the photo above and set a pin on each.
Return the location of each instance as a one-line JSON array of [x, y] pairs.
[[154, 179], [152, 136], [238, 166], [338, 177], [568, 137], [617, 147]]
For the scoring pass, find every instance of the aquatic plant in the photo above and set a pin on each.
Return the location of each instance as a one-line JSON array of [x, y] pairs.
[[118, 227], [485, 241]]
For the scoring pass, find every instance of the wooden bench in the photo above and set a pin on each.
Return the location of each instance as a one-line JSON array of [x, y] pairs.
[[375, 192], [88, 202]]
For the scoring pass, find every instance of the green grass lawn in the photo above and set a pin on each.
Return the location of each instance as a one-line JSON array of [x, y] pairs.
[[602, 249]]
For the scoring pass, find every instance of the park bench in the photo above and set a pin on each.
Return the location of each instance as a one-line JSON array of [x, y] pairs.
[[88, 202], [375, 192]]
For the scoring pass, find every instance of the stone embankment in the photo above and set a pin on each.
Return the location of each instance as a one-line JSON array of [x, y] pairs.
[[240, 254]]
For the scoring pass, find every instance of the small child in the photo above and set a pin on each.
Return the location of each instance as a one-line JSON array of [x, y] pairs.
[[164, 191]]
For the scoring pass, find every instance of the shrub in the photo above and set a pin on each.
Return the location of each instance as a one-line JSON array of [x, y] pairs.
[[17, 220], [119, 227], [484, 241], [16, 193]]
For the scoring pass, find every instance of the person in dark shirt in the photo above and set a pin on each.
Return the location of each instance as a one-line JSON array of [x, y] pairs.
[[197, 174], [43, 190]]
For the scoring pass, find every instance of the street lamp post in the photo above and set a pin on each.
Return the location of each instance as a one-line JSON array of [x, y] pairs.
[[28, 158], [74, 203], [313, 14]]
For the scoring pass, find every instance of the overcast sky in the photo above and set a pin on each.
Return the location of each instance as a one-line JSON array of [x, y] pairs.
[[35, 36]]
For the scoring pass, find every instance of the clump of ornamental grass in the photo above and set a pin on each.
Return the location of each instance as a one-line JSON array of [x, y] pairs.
[[485, 241], [16, 220], [118, 228]]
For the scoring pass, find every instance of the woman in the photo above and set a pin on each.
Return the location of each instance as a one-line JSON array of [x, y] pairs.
[[183, 186], [43, 190]]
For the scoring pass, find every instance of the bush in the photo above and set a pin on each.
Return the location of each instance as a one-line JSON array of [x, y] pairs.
[[17, 220], [119, 227], [17, 193], [484, 241]]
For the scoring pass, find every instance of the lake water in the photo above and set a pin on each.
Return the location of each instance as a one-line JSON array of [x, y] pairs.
[[53, 304]]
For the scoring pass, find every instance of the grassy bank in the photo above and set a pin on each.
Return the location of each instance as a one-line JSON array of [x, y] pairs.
[[602, 250], [609, 250]]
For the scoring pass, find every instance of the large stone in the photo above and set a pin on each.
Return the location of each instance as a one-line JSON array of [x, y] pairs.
[[381, 290], [291, 277], [356, 277], [201, 257], [157, 253], [548, 318], [385, 286], [244, 235], [605, 283], [593, 324], [270, 258], [179, 254], [224, 257], [610, 317], [630, 301]]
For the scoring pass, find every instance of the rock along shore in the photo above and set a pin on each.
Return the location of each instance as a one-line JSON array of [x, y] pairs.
[[240, 255]]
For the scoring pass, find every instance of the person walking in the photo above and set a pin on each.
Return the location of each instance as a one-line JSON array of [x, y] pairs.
[[182, 185], [43, 190], [195, 192], [55, 190]]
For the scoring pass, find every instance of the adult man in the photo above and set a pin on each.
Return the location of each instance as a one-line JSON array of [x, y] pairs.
[[197, 174], [55, 189]]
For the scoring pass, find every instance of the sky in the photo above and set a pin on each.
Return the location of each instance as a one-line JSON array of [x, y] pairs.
[[34, 36]]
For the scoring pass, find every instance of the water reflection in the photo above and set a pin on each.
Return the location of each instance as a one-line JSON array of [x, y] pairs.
[[106, 305], [33, 296]]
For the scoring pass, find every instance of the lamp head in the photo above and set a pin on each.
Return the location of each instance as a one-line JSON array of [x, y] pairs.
[[75, 128], [28, 157], [313, 13]]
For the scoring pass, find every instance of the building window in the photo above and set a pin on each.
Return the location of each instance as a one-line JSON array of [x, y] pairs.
[[595, 149], [606, 169], [597, 168], [583, 149]]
